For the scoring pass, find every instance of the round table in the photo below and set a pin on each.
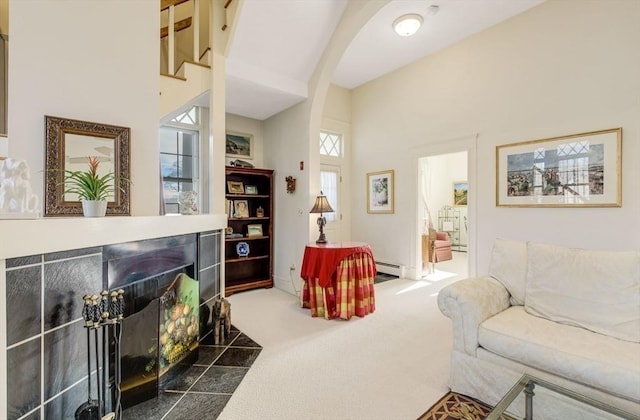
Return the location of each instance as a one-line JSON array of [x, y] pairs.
[[338, 279]]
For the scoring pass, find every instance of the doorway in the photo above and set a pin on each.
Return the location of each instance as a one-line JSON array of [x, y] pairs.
[[444, 201]]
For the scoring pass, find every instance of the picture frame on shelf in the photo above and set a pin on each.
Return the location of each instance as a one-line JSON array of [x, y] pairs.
[[235, 187], [239, 145], [380, 192], [240, 209], [254, 230], [577, 170], [251, 189], [460, 193]]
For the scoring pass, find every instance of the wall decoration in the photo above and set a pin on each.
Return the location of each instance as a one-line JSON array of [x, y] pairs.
[[69, 143], [291, 184], [460, 191], [380, 192], [235, 187], [254, 230], [239, 145], [578, 170]]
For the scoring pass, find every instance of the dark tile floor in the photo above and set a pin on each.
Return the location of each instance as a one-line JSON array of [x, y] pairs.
[[204, 389]]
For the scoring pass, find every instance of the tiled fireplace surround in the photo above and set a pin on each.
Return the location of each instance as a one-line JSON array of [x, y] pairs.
[[45, 353]]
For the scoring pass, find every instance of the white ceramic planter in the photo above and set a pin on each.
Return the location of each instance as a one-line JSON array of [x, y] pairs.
[[94, 208]]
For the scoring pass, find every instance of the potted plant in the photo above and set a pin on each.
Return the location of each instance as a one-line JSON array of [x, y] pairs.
[[92, 189]]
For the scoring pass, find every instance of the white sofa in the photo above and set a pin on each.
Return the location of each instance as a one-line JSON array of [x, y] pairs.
[[567, 316]]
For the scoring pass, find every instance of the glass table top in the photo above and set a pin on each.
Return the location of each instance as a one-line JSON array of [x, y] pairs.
[[534, 398]]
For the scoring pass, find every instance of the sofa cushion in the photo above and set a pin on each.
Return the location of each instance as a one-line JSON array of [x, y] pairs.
[[596, 290], [595, 360], [509, 266]]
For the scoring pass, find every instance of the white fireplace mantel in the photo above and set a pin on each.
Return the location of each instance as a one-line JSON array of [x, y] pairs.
[[40, 236]]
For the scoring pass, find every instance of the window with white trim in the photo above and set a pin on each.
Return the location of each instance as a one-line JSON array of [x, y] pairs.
[[330, 144]]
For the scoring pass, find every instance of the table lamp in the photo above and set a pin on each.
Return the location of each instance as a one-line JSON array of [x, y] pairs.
[[321, 206]]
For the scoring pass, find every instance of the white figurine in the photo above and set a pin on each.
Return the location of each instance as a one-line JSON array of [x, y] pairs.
[[16, 195]]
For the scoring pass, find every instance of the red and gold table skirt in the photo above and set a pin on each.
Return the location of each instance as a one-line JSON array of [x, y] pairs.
[[349, 293]]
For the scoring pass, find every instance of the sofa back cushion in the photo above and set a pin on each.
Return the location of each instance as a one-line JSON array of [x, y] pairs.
[[596, 290], [509, 266]]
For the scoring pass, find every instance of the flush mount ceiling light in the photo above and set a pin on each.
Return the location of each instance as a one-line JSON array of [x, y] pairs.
[[407, 25]]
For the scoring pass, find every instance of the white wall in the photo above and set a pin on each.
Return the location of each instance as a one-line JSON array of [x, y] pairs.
[[559, 68], [88, 61]]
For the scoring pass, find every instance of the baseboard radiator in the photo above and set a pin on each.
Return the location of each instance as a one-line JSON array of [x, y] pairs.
[[390, 268]]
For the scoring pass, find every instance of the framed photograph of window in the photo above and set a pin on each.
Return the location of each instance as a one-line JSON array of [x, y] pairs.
[[577, 170], [241, 209], [380, 192], [239, 145], [235, 187], [250, 189], [254, 230], [460, 190]]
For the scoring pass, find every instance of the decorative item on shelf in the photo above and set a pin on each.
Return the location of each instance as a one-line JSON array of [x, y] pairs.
[[241, 164], [254, 230], [188, 202], [259, 212], [235, 187], [241, 209], [94, 208], [17, 200], [321, 206], [242, 249], [228, 230], [291, 184], [250, 189], [90, 186]]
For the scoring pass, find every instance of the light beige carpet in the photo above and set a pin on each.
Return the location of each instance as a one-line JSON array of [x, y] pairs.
[[388, 365]]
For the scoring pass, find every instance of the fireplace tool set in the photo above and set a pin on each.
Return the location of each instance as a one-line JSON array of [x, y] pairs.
[[106, 310]]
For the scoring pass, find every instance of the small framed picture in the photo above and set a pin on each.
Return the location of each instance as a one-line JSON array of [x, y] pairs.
[[380, 192], [254, 230], [460, 191], [235, 187], [250, 189], [241, 209]]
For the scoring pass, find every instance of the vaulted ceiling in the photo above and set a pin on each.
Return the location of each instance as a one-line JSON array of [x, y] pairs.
[[278, 43]]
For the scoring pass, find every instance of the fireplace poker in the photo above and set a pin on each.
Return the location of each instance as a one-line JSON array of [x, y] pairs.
[[96, 324], [90, 409]]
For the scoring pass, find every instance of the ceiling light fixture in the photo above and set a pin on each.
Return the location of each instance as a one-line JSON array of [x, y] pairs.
[[407, 25]]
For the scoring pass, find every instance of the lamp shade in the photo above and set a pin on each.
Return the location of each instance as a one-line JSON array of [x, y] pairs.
[[321, 205]]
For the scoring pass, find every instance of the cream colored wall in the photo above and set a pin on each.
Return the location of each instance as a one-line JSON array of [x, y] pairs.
[[559, 68], [79, 60]]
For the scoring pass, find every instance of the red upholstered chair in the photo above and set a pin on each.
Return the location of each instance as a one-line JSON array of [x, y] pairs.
[[442, 247]]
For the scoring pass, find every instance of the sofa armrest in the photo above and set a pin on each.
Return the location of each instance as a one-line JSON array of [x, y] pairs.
[[469, 303]]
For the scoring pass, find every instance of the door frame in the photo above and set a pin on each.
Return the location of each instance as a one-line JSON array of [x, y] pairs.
[[466, 143]]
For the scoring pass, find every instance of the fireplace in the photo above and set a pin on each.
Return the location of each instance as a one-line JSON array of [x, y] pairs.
[[45, 347], [160, 331]]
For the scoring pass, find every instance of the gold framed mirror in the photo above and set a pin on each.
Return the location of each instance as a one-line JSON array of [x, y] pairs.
[[68, 145]]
